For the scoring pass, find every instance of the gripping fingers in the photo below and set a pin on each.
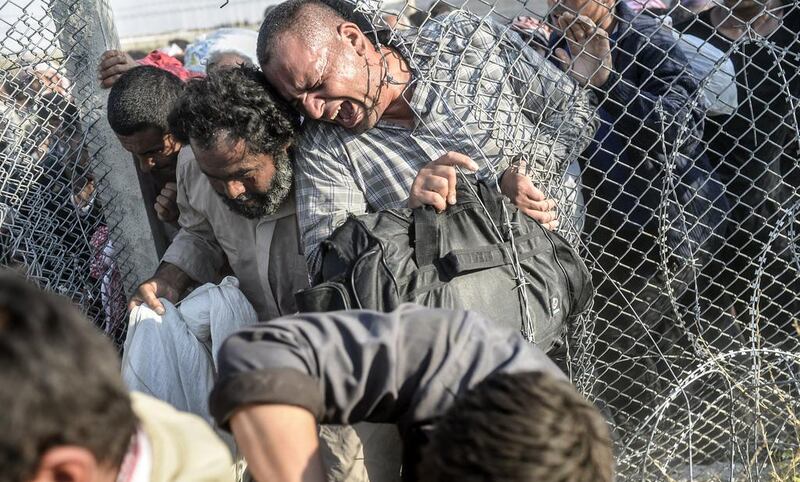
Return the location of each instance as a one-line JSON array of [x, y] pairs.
[[429, 198]]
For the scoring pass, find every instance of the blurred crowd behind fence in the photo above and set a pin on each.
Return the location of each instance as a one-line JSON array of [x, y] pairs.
[[66, 188], [690, 223]]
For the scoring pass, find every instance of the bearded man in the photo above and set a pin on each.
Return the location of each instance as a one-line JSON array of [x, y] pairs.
[[236, 204], [234, 196]]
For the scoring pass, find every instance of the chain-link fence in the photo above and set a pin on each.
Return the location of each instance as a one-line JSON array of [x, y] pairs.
[[58, 218], [689, 213], [686, 216]]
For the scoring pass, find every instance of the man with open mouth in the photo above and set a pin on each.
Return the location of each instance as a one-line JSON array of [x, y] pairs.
[[391, 115]]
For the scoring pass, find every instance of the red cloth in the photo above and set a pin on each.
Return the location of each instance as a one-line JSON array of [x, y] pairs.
[[170, 64]]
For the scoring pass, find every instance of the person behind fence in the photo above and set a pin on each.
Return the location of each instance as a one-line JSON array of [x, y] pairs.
[[387, 126], [748, 146], [473, 401], [67, 415], [138, 106], [654, 199]]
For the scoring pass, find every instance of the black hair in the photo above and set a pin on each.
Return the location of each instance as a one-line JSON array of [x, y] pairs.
[[213, 59], [285, 15], [518, 428], [142, 98], [180, 42], [238, 103], [61, 382]]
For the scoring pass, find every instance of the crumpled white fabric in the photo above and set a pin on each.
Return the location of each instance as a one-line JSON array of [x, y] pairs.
[[238, 40], [714, 70], [174, 357]]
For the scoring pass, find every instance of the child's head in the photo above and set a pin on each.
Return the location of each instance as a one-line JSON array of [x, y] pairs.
[[526, 427]]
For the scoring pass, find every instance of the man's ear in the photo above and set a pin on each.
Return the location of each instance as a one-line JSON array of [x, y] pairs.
[[67, 464], [354, 36]]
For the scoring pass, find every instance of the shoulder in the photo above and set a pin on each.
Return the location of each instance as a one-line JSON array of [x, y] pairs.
[[182, 442], [321, 140], [454, 32], [187, 168]]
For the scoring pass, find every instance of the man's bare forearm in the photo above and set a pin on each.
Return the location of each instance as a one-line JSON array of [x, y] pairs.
[[175, 277], [279, 442]]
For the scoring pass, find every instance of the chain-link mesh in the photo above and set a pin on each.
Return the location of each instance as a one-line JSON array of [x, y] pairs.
[[689, 214], [57, 217]]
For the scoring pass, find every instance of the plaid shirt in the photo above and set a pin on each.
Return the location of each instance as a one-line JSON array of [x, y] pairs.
[[480, 90]]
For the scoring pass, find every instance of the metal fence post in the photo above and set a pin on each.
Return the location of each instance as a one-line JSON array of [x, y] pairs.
[[85, 30]]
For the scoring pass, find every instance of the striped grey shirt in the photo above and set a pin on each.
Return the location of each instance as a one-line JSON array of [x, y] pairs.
[[480, 90]]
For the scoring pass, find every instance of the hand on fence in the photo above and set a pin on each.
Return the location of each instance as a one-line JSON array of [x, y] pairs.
[[528, 198], [166, 205], [113, 63], [435, 184], [590, 63]]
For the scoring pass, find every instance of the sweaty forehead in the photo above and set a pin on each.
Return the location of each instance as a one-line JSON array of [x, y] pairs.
[[223, 157], [294, 63]]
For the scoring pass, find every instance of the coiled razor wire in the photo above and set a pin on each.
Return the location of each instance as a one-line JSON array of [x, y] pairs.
[[674, 425]]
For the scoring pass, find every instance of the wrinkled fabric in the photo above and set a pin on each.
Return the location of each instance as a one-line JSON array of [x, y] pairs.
[[170, 64], [405, 367], [715, 73], [184, 449], [173, 357], [239, 40]]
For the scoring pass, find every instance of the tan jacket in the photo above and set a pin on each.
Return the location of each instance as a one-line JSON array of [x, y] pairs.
[[184, 448], [211, 232]]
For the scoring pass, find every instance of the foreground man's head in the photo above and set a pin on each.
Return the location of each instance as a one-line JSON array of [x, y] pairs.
[[66, 413], [520, 427], [241, 135]]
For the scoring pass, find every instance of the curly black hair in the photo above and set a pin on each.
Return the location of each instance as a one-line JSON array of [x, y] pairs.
[[238, 103], [141, 99]]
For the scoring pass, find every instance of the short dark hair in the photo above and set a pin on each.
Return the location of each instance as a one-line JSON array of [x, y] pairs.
[[61, 382], [520, 427], [285, 15], [142, 98], [236, 102]]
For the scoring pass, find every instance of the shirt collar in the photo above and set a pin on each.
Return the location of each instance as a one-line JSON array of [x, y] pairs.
[[137, 464]]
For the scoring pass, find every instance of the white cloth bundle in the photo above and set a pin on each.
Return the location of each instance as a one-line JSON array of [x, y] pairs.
[[173, 357]]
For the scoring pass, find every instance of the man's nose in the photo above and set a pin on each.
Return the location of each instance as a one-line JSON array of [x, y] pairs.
[[234, 189], [313, 106]]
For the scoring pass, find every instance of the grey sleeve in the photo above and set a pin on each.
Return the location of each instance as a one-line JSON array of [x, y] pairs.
[[403, 367]]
